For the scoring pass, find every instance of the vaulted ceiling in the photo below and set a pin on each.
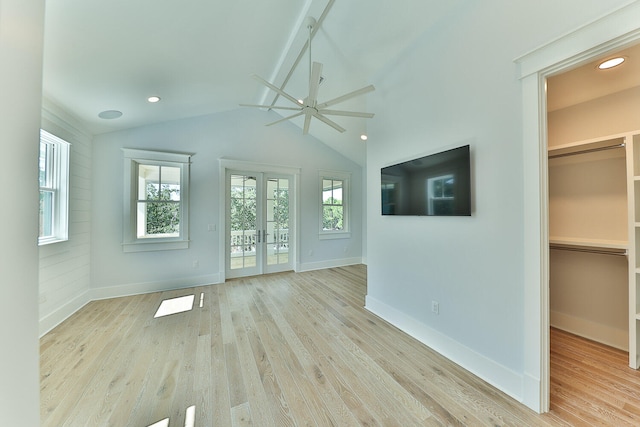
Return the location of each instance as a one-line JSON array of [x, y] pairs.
[[199, 55]]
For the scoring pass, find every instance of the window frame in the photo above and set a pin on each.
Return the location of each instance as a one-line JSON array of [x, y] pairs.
[[57, 177], [345, 177], [133, 158]]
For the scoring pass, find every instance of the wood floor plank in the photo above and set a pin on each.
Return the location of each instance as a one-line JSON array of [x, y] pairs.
[[221, 401], [374, 377], [591, 382], [320, 395], [367, 344], [258, 402], [109, 382]]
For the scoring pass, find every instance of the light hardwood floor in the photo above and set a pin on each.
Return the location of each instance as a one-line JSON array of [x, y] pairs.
[[591, 383], [278, 350]]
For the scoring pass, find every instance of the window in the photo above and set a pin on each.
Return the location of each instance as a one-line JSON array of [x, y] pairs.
[[334, 212], [53, 166], [156, 200]]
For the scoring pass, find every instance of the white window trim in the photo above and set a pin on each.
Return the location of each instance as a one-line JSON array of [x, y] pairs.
[[60, 186], [345, 233], [130, 240]]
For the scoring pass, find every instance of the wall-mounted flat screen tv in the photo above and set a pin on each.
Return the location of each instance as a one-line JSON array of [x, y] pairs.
[[434, 185]]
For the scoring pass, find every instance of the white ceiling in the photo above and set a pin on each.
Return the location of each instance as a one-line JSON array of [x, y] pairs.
[[587, 82], [198, 56]]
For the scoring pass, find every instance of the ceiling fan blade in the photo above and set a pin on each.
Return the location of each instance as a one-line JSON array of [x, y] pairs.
[[349, 95], [285, 119], [276, 89], [271, 107], [346, 113], [307, 121], [314, 84], [329, 122]]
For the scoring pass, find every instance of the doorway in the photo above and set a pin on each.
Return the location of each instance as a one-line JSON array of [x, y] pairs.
[[590, 112], [576, 48], [258, 223], [258, 218]]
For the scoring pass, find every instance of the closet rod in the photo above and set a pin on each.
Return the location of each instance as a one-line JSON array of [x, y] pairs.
[[588, 150], [617, 252]]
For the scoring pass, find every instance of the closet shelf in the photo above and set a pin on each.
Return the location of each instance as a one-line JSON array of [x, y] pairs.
[[589, 243], [587, 146], [599, 246]]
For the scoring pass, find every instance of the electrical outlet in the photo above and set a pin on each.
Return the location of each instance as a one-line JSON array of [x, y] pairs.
[[196, 264], [435, 307]]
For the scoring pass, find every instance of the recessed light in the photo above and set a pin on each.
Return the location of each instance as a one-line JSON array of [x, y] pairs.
[[610, 63], [110, 114], [364, 137], [153, 99]]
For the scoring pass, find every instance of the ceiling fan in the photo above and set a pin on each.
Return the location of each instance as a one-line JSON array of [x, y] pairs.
[[309, 106]]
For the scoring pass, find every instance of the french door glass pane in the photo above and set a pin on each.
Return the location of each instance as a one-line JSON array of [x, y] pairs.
[[277, 221], [242, 216]]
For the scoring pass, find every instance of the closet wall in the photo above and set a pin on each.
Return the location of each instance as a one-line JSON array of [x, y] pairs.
[[589, 291]]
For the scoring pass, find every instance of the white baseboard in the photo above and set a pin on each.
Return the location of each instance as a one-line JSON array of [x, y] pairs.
[[495, 374], [51, 320], [332, 263], [128, 289], [531, 386], [617, 338]]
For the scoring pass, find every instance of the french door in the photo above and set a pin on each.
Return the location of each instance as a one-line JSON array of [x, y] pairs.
[[258, 223]]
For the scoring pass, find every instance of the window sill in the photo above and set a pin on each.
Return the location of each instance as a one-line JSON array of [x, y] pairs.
[[155, 246], [51, 240], [335, 235]]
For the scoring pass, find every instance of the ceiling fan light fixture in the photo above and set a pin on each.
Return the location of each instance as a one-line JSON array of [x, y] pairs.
[[364, 137], [611, 62], [153, 99], [309, 106]]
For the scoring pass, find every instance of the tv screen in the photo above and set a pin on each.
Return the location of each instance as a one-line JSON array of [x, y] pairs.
[[434, 185]]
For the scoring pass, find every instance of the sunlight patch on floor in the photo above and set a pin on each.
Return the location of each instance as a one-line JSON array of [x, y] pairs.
[[174, 306], [189, 419]]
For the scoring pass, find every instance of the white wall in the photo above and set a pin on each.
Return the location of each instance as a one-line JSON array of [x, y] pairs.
[[65, 266], [21, 41], [239, 135], [458, 85], [608, 115]]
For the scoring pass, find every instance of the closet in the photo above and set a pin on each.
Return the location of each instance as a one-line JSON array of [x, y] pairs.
[[594, 213]]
